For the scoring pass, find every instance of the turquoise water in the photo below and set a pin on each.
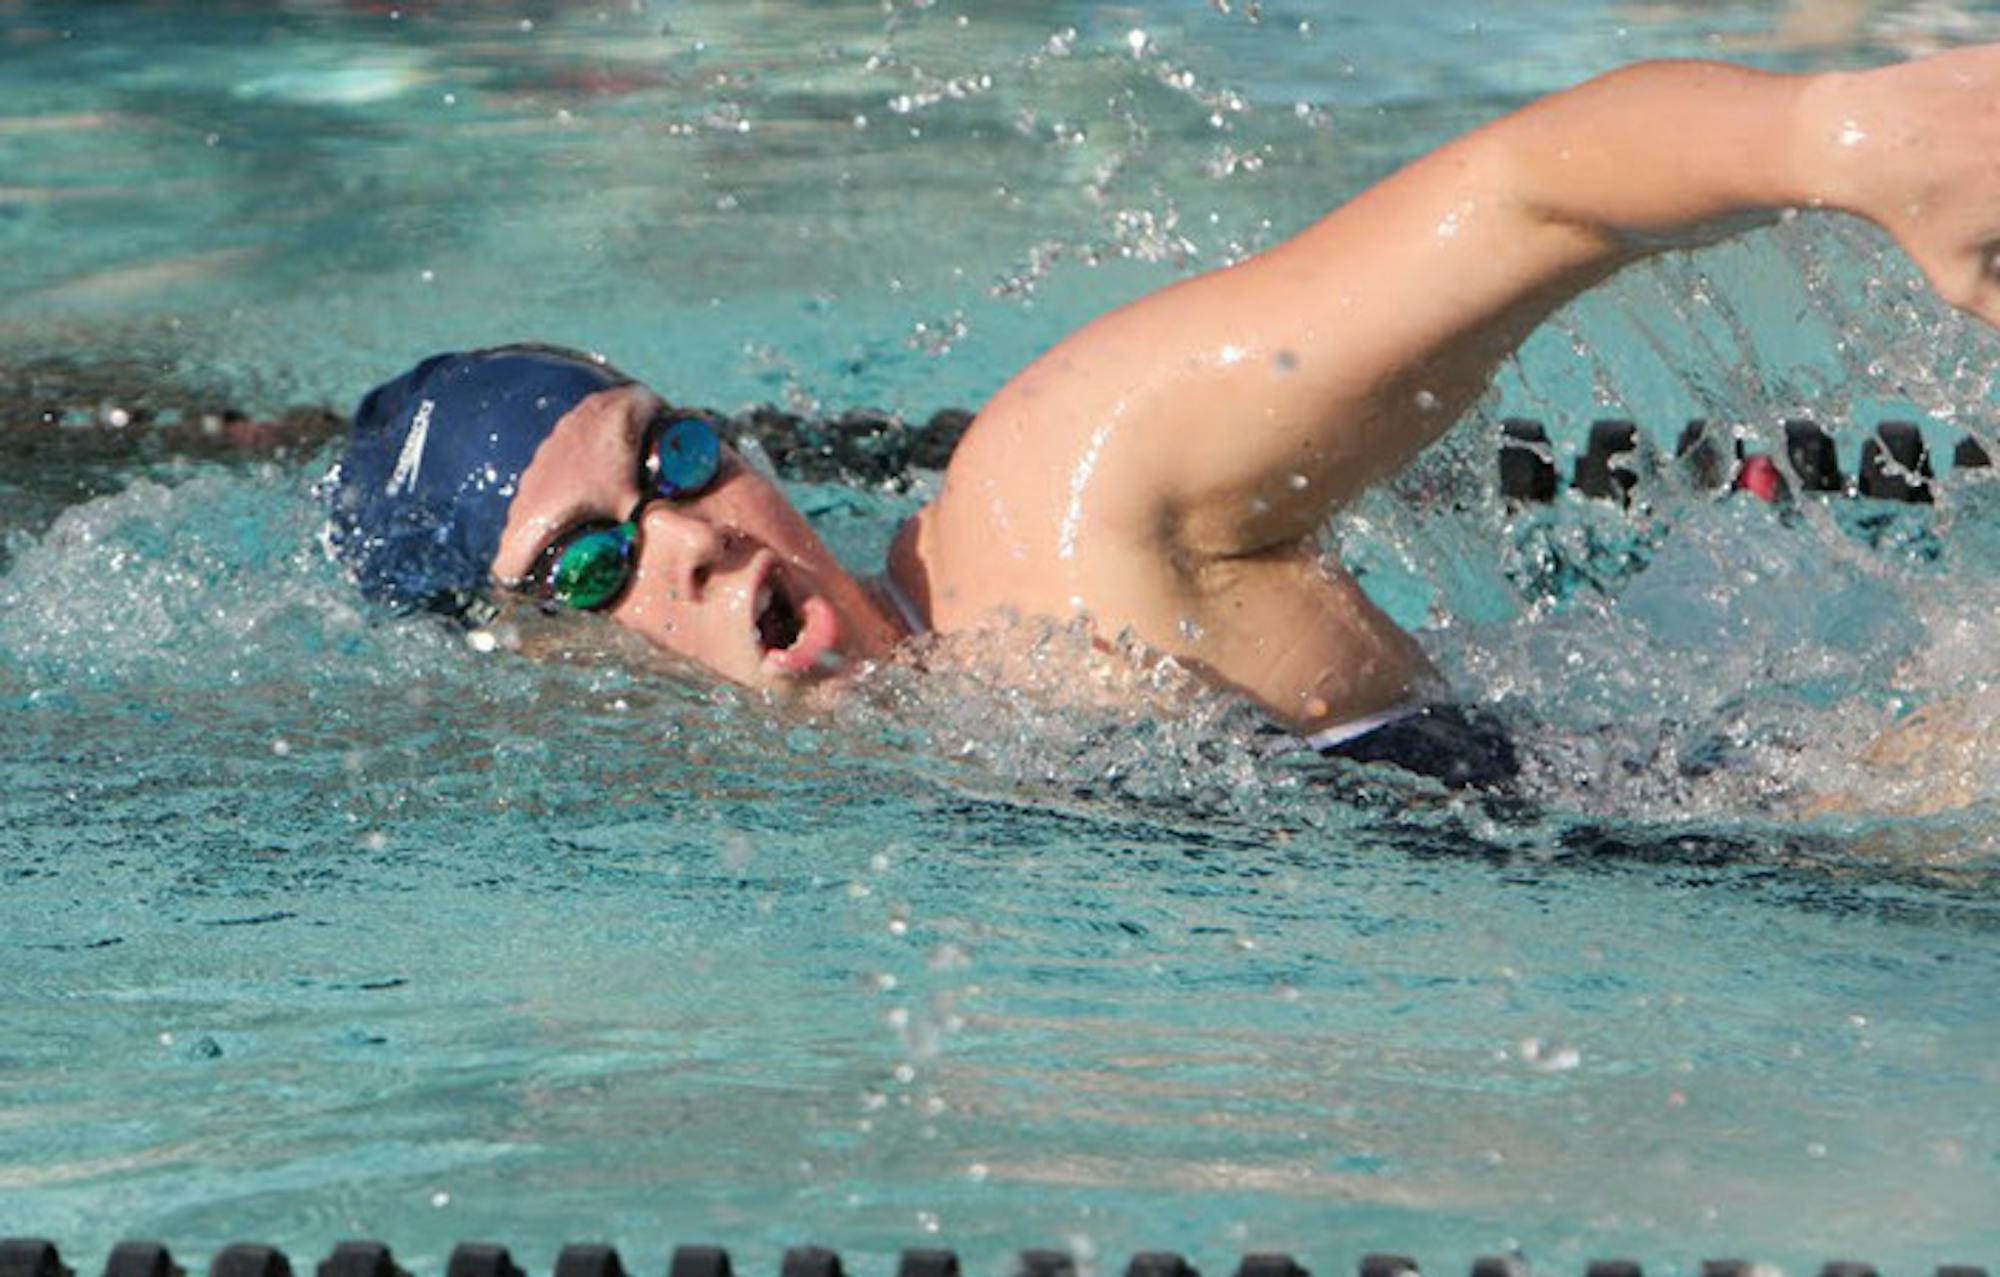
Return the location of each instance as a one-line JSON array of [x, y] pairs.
[[320, 925]]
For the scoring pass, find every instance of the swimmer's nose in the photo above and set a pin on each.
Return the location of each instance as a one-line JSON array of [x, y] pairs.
[[684, 548]]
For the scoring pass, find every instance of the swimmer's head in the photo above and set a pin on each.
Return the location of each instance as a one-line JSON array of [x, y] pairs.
[[467, 479]]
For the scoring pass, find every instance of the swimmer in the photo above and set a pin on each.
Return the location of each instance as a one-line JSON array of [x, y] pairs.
[[1165, 471]]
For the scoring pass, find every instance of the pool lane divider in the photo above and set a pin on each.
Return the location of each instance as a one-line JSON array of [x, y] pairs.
[[1895, 463], [883, 450], [36, 1257]]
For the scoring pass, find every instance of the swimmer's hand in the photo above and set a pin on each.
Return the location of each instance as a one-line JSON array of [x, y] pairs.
[[1915, 148]]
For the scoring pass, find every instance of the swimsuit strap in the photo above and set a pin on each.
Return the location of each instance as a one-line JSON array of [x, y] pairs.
[[1340, 733], [913, 620]]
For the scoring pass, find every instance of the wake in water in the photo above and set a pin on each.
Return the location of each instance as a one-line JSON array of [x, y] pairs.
[[1762, 674], [1688, 659]]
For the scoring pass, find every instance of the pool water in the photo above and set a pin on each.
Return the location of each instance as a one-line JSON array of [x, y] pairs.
[[321, 925]]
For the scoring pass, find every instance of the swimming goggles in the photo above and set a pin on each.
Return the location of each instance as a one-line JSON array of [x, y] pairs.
[[588, 569]]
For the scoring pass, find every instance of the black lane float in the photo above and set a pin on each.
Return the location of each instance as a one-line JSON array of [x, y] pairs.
[[35, 1257], [1895, 463]]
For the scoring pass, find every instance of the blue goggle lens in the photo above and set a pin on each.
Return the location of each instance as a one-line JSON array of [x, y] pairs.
[[685, 457]]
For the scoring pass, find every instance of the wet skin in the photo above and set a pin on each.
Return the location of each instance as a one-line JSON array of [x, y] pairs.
[[705, 567], [1166, 471]]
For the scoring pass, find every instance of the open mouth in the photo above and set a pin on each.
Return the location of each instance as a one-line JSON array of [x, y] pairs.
[[798, 633], [778, 621]]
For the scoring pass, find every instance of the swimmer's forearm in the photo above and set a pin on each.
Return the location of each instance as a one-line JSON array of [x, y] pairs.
[[1514, 218], [1671, 153], [1662, 154]]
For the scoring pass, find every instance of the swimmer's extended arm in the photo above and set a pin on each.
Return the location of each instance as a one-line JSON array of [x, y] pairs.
[[1228, 414], [1165, 469]]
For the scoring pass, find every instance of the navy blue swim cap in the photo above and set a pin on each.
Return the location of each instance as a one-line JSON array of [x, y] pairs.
[[417, 503]]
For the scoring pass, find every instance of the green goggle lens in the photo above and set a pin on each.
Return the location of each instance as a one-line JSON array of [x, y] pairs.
[[592, 568]]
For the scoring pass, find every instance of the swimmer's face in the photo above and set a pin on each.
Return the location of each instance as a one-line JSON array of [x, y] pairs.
[[733, 579]]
